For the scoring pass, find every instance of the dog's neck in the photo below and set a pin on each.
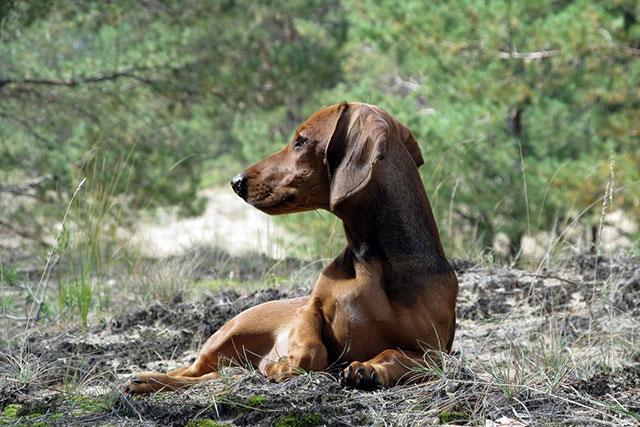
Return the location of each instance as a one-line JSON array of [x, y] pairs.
[[391, 221]]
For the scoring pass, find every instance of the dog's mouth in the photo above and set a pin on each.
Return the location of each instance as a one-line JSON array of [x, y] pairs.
[[270, 201]]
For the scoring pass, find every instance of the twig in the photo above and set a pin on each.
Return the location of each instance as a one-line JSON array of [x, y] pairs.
[[528, 55]]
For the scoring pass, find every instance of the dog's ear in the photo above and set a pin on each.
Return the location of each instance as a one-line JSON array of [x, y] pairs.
[[357, 144], [411, 145]]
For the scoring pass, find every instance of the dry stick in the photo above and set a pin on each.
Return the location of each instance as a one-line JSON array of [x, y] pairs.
[[53, 248]]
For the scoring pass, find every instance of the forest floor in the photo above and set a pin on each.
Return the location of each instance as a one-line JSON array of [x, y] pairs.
[[555, 347]]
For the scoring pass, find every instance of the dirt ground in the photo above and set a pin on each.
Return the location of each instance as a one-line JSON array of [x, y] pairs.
[[555, 347]]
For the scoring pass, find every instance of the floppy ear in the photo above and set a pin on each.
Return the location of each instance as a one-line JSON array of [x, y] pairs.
[[411, 145], [358, 142]]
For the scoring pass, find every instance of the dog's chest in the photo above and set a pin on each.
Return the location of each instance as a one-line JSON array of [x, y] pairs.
[[354, 324]]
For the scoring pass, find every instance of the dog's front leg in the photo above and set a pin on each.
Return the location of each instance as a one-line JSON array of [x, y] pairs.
[[305, 350]]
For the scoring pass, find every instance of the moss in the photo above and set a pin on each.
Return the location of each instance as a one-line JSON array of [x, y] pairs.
[[89, 404], [453, 417], [255, 401], [204, 422], [308, 420], [14, 413], [11, 410]]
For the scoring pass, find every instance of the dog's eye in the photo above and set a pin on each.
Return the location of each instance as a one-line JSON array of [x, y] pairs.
[[299, 143]]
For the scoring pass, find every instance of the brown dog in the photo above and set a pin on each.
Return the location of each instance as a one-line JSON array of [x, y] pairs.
[[386, 304]]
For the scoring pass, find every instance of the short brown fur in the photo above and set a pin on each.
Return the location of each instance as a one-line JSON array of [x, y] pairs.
[[389, 296]]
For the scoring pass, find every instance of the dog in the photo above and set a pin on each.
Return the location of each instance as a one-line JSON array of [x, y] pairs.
[[385, 307]]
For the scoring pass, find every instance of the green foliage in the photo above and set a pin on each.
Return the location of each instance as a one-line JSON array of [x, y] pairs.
[[557, 80], [520, 107], [158, 85]]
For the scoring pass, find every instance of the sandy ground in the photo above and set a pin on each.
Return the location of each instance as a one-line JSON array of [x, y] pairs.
[[227, 223]]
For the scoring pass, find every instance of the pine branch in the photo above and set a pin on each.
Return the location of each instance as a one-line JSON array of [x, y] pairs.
[[23, 188], [75, 81]]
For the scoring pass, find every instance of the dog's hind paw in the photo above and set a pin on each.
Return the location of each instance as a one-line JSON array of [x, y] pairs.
[[148, 383]]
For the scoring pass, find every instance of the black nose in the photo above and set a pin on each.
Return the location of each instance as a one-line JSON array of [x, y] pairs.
[[239, 185]]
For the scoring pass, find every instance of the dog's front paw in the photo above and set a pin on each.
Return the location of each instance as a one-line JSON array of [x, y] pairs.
[[282, 369], [149, 382], [361, 376]]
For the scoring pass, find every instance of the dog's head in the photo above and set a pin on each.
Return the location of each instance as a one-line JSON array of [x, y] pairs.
[[330, 158]]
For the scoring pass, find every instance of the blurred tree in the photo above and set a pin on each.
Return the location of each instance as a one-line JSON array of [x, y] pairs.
[[151, 88], [520, 106], [485, 85]]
